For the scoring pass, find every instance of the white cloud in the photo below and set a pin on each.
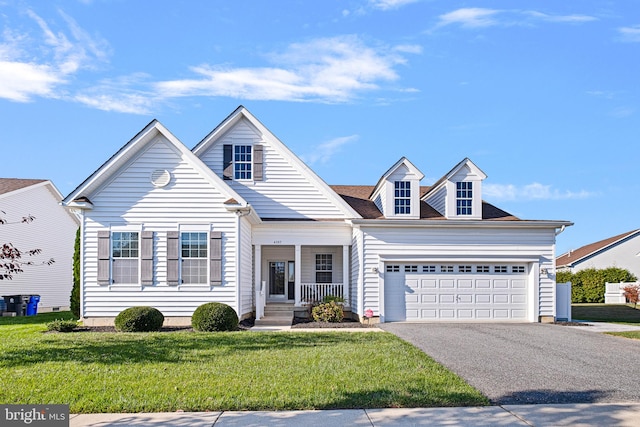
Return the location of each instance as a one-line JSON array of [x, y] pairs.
[[534, 191], [38, 62], [326, 70], [323, 152], [21, 81], [561, 18], [390, 4], [630, 34], [475, 17]]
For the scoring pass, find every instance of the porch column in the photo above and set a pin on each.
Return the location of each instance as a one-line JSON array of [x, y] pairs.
[[257, 270], [345, 273], [297, 273]]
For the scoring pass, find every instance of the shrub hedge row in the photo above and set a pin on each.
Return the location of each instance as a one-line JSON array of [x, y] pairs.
[[589, 285]]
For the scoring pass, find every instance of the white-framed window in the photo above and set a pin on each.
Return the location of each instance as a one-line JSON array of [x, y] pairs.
[[410, 268], [242, 162], [464, 198], [517, 269], [464, 269], [125, 257], [324, 268], [499, 268], [446, 269], [402, 197], [393, 268], [194, 254], [428, 268], [482, 269]]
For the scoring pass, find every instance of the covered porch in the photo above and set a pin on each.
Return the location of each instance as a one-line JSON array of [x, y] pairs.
[[301, 269]]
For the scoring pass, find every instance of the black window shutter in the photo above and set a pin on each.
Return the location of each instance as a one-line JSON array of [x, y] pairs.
[[104, 256], [173, 257], [146, 252], [258, 166], [227, 164], [215, 259]]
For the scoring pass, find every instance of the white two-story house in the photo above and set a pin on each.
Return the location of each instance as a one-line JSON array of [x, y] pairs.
[[240, 219]]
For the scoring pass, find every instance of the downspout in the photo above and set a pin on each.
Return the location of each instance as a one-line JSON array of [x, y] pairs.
[[561, 230]]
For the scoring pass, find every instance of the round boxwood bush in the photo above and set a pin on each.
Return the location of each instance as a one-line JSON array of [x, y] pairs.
[[214, 317], [328, 312], [139, 319]]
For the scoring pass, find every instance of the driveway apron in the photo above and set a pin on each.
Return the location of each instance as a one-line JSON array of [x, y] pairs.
[[531, 363]]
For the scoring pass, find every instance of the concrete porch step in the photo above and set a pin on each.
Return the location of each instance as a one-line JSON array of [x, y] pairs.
[[275, 321]]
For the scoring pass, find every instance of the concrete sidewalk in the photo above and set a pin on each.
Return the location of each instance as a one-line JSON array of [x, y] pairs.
[[599, 414]]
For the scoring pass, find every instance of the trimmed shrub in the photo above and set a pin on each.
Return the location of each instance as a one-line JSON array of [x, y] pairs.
[[214, 317], [61, 325], [328, 312], [139, 319], [589, 285]]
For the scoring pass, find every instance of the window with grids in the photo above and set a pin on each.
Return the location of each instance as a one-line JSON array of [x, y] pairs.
[[194, 254], [482, 269], [125, 256], [402, 197], [464, 198], [242, 162], [393, 268], [324, 268]]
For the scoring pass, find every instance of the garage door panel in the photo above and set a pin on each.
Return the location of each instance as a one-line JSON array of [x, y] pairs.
[[429, 283], [500, 284], [465, 284], [483, 283], [452, 292], [429, 298], [518, 284], [500, 298], [447, 283]]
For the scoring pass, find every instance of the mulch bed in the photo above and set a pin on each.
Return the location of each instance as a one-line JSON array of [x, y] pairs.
[[299, 323], [564, 323]]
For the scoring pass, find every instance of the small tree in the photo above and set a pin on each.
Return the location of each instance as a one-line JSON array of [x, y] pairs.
[[631, 293], [11, 258], [74, 302]]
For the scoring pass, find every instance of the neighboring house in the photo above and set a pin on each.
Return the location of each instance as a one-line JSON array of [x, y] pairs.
[[242, 220], [622, 251], [53, 230]]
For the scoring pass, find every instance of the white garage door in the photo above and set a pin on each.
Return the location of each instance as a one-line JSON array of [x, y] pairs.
[[455, 292]]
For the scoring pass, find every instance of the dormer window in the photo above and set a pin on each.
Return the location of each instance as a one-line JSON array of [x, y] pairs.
[[464, 198], [402, 198]]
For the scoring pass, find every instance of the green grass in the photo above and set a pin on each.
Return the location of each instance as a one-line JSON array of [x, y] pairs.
[[613, 313], [154, 372], [630, 334]]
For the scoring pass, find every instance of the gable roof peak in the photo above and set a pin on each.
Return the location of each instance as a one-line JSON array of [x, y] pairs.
[[385, 176]]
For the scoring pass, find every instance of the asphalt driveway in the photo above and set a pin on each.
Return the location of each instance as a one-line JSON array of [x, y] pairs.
[[532, 363]]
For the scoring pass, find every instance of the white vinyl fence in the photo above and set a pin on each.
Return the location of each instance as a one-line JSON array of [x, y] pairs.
[[563, 301], [614, 292]]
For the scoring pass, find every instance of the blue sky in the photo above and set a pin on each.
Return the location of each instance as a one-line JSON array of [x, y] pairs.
[[542, 95]]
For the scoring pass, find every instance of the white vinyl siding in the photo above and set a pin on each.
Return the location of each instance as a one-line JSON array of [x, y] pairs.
[[130, 198], [284, 192], [53, 231], [438, 200], [448, 243]]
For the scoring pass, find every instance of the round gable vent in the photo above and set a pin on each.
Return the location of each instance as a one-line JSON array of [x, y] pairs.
[[160, 177]]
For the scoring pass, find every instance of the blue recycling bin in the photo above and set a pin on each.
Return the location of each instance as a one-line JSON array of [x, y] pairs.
[[32, 305]]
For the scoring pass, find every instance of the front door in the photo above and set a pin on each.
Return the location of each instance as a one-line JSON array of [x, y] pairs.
[[281, 280]]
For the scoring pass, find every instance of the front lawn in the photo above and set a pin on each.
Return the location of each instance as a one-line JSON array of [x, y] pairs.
[[154, 372], [615, 313], [629, 334]]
